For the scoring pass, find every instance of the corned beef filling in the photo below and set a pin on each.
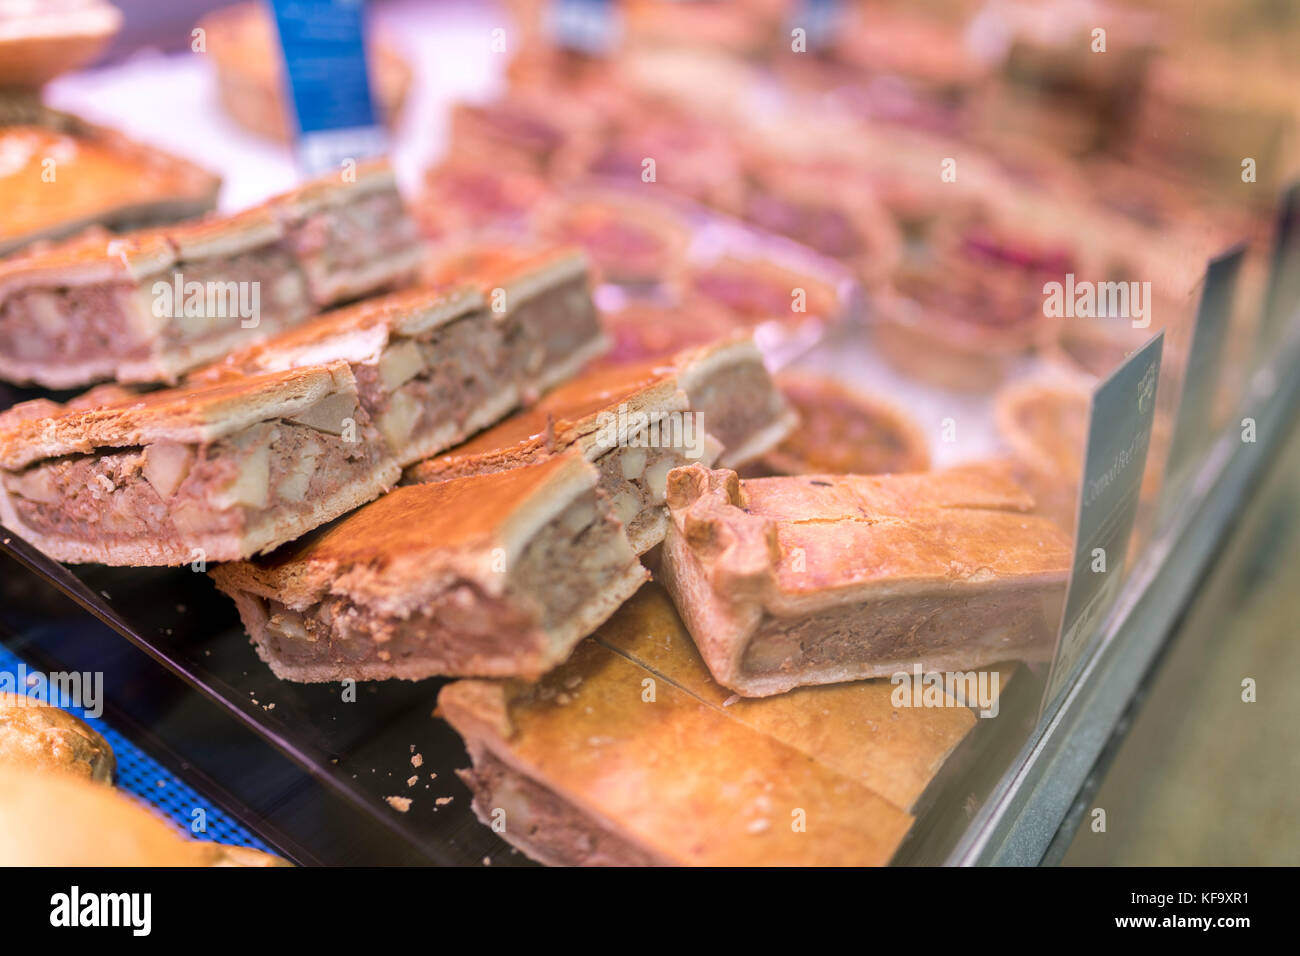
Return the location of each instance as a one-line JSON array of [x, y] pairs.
[[421, 388], [79, 323]]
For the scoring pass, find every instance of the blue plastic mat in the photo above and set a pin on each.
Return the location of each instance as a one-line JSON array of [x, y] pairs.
[[147, 779]]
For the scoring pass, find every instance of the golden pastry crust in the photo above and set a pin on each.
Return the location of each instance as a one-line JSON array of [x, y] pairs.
[[198, 413], [104, 179], [420, 582], [50, 38], [822, 579], [36, 736], [853, 728], [557, 758]]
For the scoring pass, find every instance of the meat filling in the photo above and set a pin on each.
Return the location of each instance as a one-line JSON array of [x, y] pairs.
[[543, 823], [461, 630], [728, 405], [351, 238], [261, 291], [177, 495], [553, 325], [636, 480], [424, 395], [895, 632]]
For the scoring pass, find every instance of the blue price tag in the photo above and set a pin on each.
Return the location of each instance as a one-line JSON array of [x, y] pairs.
[[588, 26], [324, 48]]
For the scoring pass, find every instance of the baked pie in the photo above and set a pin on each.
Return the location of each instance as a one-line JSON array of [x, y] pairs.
[[35, 736], [606, 762], [61, 175], [149, 306], [435, 366], [491, 575], [635, 423], [191, 474], [41, 40], [842, 431], [822, 579], [629, 239]]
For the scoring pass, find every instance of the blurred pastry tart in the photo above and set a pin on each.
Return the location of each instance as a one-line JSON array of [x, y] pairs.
[[846, 223], [40, 39], [668, 149], [641, 330], [526, 131], [842, 431], [1046, 428], [959, 316], [61, 175], [37, 736], [461, 199], [245, 51], [629, 239], [761, 290]]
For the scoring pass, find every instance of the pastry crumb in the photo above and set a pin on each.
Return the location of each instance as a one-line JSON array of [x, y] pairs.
[[412, 780], [417, 760], [400, 804], [731, 700], [443, 801]]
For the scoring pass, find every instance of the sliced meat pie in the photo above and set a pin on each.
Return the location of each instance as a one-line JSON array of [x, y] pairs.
[[491, 575], [822, 579], [636, 423], [195, 473], [149, 306]]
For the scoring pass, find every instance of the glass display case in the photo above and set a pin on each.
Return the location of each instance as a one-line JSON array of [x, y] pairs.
[[943, 190]]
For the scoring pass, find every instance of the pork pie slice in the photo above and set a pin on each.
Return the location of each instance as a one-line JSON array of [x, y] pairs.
[[151, 305], [636, 423], [543, 299], [604, 762], [819, 579], [431, 367], [492, 575], [193, 473]]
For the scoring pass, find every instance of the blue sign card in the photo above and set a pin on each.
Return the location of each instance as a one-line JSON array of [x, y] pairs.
[[1119, 434], [819, 20], [587, 26], [325, 61], [1282, 300], [1193, 423]]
